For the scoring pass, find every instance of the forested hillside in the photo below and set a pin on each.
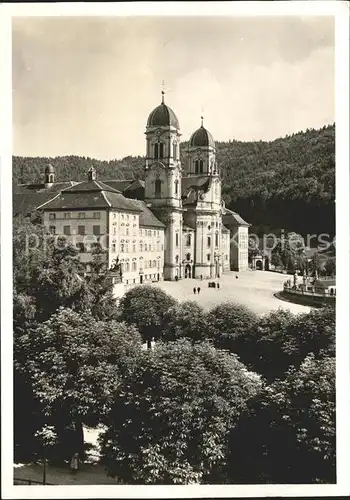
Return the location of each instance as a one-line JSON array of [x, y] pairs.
[[286, 183]]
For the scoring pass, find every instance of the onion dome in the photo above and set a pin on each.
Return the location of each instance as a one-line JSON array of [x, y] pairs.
[[163, 116], [49, 169], [201, 138]]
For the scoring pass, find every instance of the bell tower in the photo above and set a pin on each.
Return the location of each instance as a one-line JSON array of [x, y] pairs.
[[163, 181]]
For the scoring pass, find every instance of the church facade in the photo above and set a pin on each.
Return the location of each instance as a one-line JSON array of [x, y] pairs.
[[172, 225]]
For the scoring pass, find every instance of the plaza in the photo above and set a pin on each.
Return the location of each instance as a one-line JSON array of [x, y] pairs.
[[254, 289]]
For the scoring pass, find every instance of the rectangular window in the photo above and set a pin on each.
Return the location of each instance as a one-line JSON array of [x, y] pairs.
[[67, 215], [121, 247], [52, 229], [81, 230], [81, 215], [96, 230], [66, 230], [96, 215], [177, 239], [52, 216], [134, 248], [208, 241]]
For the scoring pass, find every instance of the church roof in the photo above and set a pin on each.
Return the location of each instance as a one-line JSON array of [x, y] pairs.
[[224, 229], [201, 138], [162, 116]]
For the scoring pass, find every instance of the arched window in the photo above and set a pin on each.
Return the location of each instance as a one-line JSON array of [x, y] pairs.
[[158, 187], [201, 166], [154, 263], [127, 267], [208, 241], [134, 266], [141, 247], [50, 178], [176, 187], [196, 166], [188, 240], [188, 256], [161, 150], [177, 259], [216, 239], [177, 239], [145, 247], [174, 151], [156, 152]]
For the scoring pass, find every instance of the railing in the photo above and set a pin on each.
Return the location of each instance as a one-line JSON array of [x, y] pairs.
[[310, 293]]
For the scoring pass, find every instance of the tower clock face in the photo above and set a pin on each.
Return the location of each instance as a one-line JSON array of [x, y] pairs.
[[158, 133]]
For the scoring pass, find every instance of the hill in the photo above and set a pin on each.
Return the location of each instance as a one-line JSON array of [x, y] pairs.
[[286, 183]]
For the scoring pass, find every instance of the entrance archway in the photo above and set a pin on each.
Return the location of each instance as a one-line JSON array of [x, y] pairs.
[[188, 271], [259, 265]]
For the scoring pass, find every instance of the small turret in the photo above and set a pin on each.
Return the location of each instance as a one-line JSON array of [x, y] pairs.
[[49, 175], [92, 174]]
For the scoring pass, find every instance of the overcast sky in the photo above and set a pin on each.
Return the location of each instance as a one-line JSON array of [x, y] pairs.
[[85, 86]]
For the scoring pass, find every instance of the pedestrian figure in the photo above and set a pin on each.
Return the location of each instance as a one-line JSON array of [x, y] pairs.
[[201, 277], [194, 290], [218, 285], [236, 277], [198, 290], [74, 463]]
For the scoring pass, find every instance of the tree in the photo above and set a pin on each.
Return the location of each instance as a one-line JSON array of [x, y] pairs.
[[145, 307], [330, 267], [98, 296], [287, 435], [282, 339], [276, 259], [316, 263], [75, 364], [50, 267], [185, 319], [47, 439], [230, 326], [169, 423]]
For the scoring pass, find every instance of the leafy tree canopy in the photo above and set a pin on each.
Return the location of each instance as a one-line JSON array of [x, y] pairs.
[[169, 423], [145, 306], [287, 435]]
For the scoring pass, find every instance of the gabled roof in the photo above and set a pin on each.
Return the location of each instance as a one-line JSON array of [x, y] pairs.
[[136, 184], [147, 217], [27, 197], [194, 182], [91, 186], [230, 216], [119, 185]]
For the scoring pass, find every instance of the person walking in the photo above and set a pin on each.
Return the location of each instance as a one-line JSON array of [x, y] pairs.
[[218, 285], [74, 463], [194, 290], [198, 290], [201, 277]]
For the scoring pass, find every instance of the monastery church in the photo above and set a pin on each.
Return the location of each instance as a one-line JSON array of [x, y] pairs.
[[170, 226]]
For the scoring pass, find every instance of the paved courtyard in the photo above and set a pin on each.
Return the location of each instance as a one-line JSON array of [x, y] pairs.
[[253, 289]]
